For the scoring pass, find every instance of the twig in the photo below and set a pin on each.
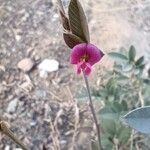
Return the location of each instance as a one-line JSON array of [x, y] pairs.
[[60, 5], [141, 98], [92, 110], [5, 129], [76, 116], [137, 146], [132, 137], [55, 137]]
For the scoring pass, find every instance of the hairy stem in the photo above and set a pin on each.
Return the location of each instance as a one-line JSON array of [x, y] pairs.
[[93, 111]]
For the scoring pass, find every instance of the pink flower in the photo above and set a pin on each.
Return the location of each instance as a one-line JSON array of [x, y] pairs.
[[85, 56]]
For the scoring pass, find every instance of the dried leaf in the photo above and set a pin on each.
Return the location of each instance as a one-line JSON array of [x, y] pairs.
[[64, 19], [72, 40], [78, 22]]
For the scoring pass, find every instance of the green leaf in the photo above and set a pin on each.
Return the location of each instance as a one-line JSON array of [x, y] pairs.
[[111, 86], [118, 57], [124, 105], [107, 144], [109, 126], [116, 107], [132, 53], [123, 134], [146, 81], [117, 68], [122, 79], [78, 22], [100, 93], [142, 67], [127, 67], [108, 113], [71, 39], [140, 61], [136, 71], [139, 119]]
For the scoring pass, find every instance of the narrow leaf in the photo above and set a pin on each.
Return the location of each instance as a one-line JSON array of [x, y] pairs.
[[139, 119], [78, 21], [72, 40], [132, 53], [140, 61], [118, 57]]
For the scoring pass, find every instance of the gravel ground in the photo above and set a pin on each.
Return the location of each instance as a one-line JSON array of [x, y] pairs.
[[32, 104]]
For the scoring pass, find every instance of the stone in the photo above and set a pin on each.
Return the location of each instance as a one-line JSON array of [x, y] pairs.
[[48, 65], [25, 64], [7, 147], [12, 106]]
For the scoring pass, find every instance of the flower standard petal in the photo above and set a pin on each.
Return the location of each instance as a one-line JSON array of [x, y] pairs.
[[77, 52], [94, 53]]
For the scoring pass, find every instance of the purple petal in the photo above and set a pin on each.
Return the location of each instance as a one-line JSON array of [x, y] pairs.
[[79, 65], [78, 70], [88, 69], [94, 53], [77, 52], [82, 66]]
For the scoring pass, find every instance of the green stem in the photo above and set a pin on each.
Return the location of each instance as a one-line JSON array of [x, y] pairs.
[[93, 111]]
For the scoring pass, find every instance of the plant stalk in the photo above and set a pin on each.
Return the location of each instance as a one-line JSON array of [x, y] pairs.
[[93, 111]]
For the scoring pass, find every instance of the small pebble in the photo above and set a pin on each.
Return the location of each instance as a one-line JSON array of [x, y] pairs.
[[25, 64], [12, 106]]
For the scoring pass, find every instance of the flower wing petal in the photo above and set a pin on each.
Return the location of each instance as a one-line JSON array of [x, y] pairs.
[[77, 52], [95, 54]]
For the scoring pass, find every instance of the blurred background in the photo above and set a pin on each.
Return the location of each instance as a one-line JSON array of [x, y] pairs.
[[40, 95]]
